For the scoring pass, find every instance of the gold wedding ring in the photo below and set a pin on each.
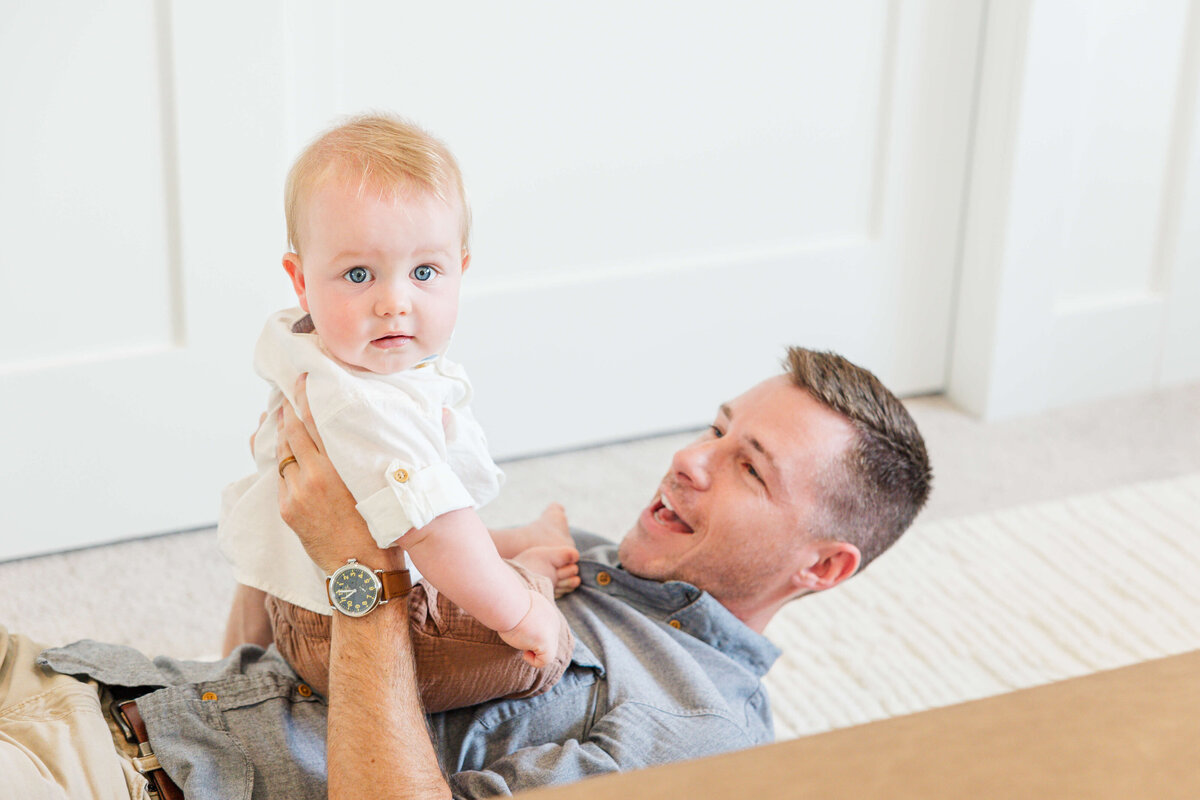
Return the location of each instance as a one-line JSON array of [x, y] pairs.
[[285, 464]]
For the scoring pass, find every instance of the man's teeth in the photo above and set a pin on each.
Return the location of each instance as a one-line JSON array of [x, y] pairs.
[[667, 517]]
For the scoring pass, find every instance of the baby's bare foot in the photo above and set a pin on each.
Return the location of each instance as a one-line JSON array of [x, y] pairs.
[[548, 529], [559, 563]]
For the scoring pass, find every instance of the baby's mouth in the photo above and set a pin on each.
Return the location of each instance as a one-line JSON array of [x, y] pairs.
[[392, 340], [665, 515]]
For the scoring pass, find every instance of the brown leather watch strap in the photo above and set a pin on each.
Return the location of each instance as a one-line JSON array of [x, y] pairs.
[[396, 584]]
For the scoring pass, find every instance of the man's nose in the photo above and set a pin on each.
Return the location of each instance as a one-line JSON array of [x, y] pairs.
[[693, 464], [392, 300]]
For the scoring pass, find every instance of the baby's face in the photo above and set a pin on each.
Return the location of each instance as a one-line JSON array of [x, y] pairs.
[[380, 275]]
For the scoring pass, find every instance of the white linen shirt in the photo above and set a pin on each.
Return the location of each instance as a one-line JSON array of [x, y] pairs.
[[383, 433]]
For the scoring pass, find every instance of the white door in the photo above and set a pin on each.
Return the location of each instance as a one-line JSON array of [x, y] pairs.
[[1080, 274], [665, 196], [139, 228]]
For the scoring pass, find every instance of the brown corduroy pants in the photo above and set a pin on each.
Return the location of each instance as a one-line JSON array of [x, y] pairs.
[[459, 661]]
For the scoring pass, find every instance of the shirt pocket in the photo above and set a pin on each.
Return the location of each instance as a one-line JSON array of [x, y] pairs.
[[569, 702]]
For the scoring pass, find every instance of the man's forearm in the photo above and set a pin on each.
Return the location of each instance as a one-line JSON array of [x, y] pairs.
[[378, 740]]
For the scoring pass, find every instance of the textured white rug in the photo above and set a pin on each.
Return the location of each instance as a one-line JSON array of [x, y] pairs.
[[988, 603]]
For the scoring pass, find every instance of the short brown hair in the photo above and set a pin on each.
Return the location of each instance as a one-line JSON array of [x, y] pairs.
[[383, 153], [873, 493]]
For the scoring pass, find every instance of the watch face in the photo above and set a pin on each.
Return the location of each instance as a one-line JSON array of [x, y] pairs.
[[354, 589]]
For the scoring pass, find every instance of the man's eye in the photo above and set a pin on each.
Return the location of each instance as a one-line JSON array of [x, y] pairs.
[[754, 474], [423, 272], [358, 275]]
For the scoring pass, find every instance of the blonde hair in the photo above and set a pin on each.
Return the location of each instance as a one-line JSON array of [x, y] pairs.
[[383, 153]]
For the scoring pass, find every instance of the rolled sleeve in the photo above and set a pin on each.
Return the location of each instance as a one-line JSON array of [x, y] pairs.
[[412, 498]]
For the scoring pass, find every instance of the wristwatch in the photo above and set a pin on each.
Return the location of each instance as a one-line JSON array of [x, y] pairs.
[[355, 589]]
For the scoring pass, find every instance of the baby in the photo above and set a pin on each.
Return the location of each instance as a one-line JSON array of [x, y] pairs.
[[377, 222]]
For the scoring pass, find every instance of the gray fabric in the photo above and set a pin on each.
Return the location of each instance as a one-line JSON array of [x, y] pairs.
[[255, 737], [638, 693]]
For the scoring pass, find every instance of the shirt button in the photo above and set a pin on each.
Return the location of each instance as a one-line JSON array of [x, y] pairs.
[[401, 475], [603, 578], [676, 624], [208, 696], [303, 690]]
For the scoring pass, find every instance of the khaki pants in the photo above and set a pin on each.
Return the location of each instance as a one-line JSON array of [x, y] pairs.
[[55, 741], [459, 661]]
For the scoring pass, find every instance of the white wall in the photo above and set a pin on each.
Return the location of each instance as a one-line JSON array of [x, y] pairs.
[[1080, 275], [998, 199]]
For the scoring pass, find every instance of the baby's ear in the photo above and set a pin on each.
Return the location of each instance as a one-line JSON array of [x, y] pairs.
[[466, 260], [291, 263]]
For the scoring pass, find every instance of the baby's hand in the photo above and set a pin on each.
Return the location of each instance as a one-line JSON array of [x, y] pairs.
[[559, 564], [537, 632]]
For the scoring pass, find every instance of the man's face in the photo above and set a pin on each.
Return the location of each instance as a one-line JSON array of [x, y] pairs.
[[380, 275], [732, 514]]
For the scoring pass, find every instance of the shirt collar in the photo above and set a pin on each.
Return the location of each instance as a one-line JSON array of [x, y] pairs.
[[680, 605]]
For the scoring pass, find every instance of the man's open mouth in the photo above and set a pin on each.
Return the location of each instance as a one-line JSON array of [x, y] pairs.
[[664, 515]]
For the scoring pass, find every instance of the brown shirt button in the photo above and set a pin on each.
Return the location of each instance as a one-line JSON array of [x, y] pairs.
[[603, 578], [208, 696], [676, 624], [401, 475], [303, 690]]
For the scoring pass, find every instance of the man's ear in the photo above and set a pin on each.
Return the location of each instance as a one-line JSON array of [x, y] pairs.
[[836, 561], [291, 263]]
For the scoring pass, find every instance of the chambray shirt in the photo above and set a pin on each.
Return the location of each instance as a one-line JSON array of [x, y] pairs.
[[661, 672]]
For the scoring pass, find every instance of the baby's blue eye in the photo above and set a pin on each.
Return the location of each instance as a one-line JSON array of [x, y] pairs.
[[358, 275], [423, 272]]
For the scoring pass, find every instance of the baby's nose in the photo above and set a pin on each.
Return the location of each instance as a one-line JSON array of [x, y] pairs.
[[392, 300]]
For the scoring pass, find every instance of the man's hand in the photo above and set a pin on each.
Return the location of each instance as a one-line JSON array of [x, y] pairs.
[[314, 501]]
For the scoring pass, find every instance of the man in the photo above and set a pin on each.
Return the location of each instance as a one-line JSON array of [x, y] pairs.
[[799, 483]]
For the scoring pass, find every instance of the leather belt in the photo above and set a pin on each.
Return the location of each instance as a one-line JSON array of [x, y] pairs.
[[129, 719]]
